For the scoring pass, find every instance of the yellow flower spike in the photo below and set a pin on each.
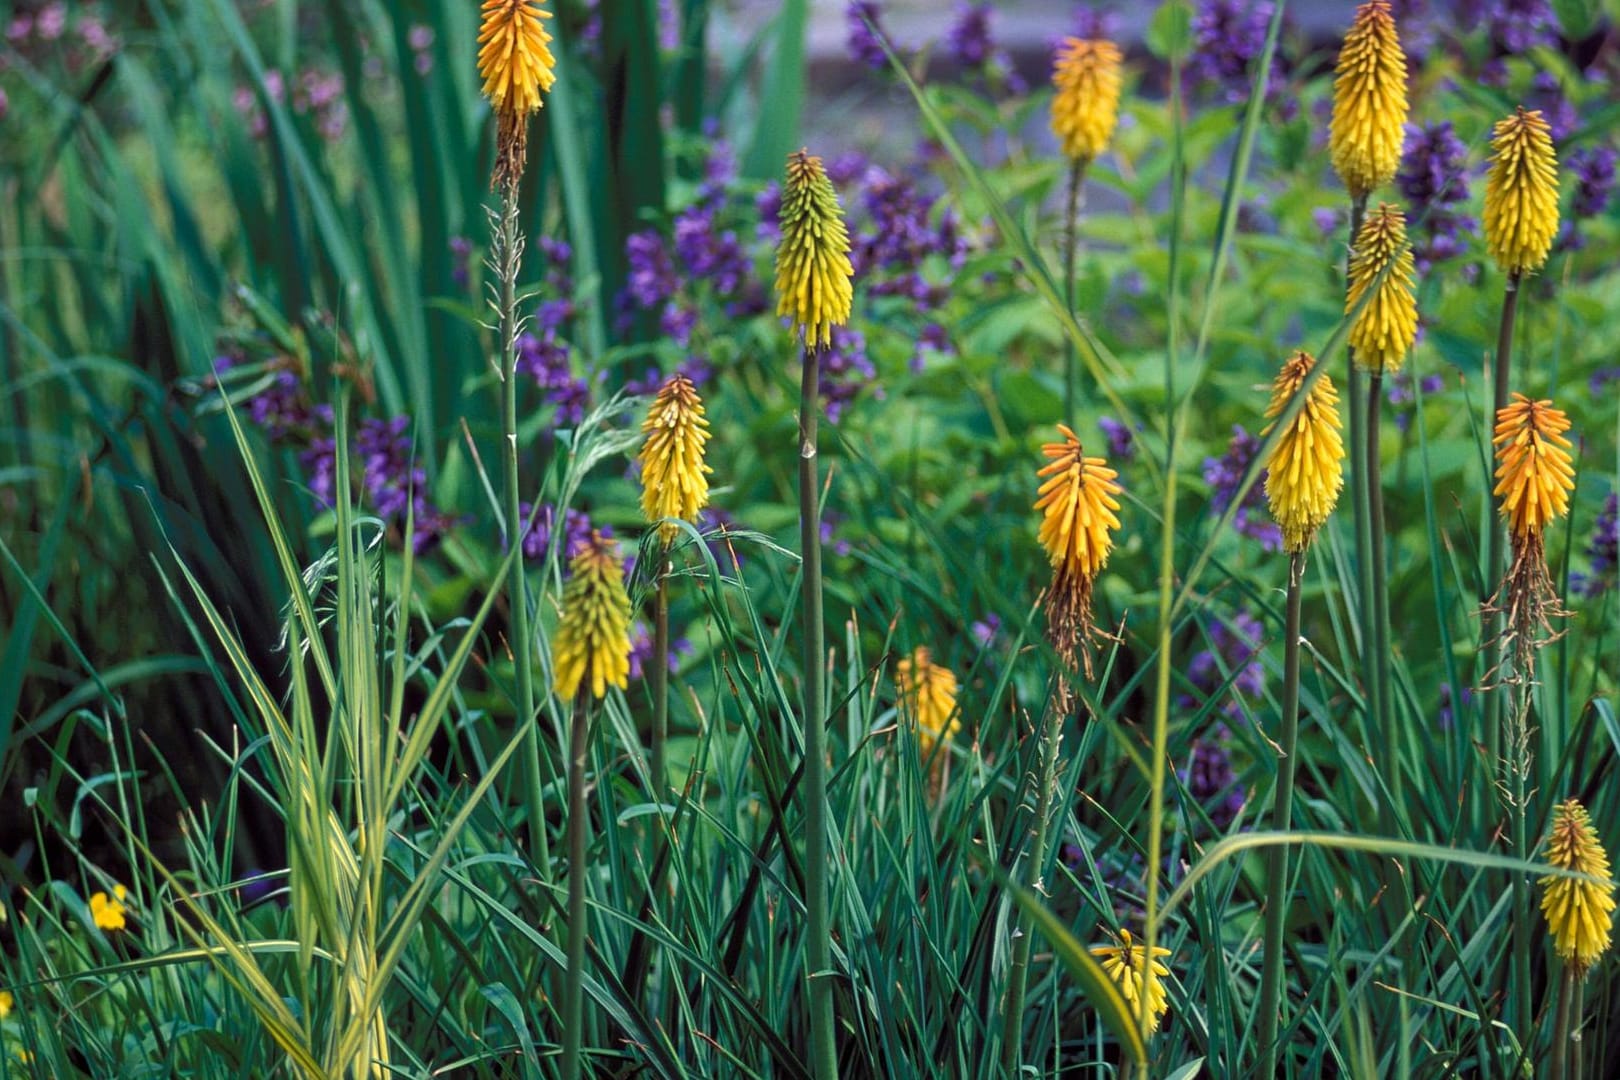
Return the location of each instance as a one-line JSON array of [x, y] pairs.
[[814, 277], [1085, 109], [1534, 472], [592, 641], [928, 694], [1143, 986], [1077, 501], [1579, 913], [108, 912], [516, 65], [1384, 332], [674, 478], [1306, 470], [1369, 102], [1521, 193]]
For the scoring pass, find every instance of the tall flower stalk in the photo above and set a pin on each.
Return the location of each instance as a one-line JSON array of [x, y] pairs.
[[1085, 111], [1579, 917], [815, 292], [1303, 480], [592, 651], [1079, 502], [674, 487], [516, 65]]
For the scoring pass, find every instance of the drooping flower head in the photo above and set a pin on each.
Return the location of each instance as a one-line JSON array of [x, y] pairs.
[[1534, 473], [1141, 983], [1369, 102], [592, 643], [1077, 500], [108, 911], [1306, 469], [928, 694], [1579, 913], [1387, 326], [1086, 106], [517, 67], [1521, 193], [674, 478], [813, 273]]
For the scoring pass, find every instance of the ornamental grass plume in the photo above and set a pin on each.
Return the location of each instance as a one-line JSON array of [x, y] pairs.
[[1086, 106], [674, 477], [1521, 193], [1579, 913], [517, 67], [928, 694], [108, 911], [1369, 102], [1534, 476], [1387, 326], [1078, 502], [593, 639], [1306, 469], [813, 272], [1143, 986]]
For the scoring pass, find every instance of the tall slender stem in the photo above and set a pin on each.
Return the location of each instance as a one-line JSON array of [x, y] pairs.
[[1361, 516], [1012, 1019], [1517, 748], [660, 680], [1282, 818], [507, 254], [1495, 536], [1071, 245], [1388, 736], [818, 946], [1558, 1063], [579, 827], [1577, 1044]]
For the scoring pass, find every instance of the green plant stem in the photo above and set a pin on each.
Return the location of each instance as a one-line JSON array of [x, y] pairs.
[[1361, 516], [1282, 817], [1577, 1044], [1496, 532], [660, 680], [507, 255], [1518, 768], [579, 825], [1388, 736], [818, 946], [1049, 738], [1558, 1062], [1071, 245]]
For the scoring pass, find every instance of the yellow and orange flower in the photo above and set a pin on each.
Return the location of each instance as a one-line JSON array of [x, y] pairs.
[[1085, 108], [1142, 984], [1369, 102], [109, 912], [515, 62], [592, 643], [814, 277], [928, 694], [1579, 913], [1306, 470], [1521, 193], [1534, 472], [1387, 326], [674, 477]]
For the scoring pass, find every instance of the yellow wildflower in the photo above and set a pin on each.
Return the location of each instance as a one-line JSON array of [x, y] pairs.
[[1387, 326], [928, 693], [8, 1002], [1086, 106], [1534, 473], [1306, 470], [1077, 501], [674, 481], [813, 271], [108, 912], [1578, 913], [1369, 102], [593, 639], [517, 67], [1521, 193], [1143, 986]]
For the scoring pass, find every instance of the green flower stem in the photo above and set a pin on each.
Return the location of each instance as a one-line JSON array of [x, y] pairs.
[[1577, 1010], [1495, 535], [660, 680], [506, 255], [1012, 1019], [579, 827], [1071, 245], [1282, 817], [1558, 1061], [1384, 682], [1518, 766], [818, 946]]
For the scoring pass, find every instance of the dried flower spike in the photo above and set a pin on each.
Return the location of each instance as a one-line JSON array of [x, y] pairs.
[[1306, 470], [1579, 913], [1387, 326], [592, 642], [1534, 473], [1086, 106], [674, 478], [1077, 500], [928, 693], [813, 272], [1143, 986], [1369, 102], [517, 67], [1521, 193]]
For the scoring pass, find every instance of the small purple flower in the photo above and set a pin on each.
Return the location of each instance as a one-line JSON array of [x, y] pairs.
[[1328, 220], [51, 21], [1594, 170], [652, 277], [546, 359], [985, 630], [845, 370], [708, 254], [1091, 24], [968, 39], [847, 167], [1228, 38], [420, 39], [1515, 25], [1234, 651], [934, 338], [1547, 95], [577, 528], [461, 261], [1603, 550], [866, 34], [1447, 716], [641, 651], [1225, 474], [768, 205], [1434, 179], [1121, 440], [1211, 780], [1601, 378], [319, 462], [1400, 395]]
